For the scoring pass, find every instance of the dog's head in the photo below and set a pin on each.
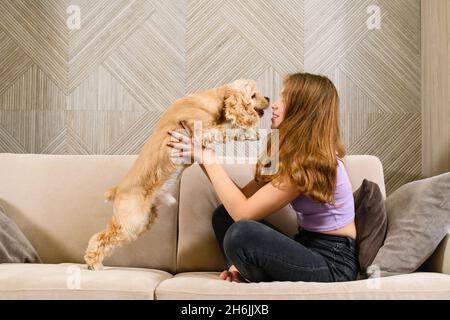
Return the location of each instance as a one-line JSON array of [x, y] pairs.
[[244, 105]]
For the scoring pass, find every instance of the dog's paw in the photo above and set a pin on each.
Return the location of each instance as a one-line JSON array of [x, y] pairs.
[[252, 135], [95, 267], [92, 261], [208, 139], [208, 145]]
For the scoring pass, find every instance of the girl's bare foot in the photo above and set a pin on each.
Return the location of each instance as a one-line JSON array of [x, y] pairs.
[[225, 275], [232, 275]]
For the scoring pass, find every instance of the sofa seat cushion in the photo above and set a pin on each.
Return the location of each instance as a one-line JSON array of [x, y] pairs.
[[74, 281], [207, 285]]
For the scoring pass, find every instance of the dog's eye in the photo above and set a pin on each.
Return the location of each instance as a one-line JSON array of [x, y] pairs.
[[254, 96]]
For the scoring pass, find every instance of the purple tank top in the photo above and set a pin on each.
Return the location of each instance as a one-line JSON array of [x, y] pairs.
[[317, 217]]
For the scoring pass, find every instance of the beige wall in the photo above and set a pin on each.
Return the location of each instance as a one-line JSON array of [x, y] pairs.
[[377, 73], [102, 89], [436, 86]]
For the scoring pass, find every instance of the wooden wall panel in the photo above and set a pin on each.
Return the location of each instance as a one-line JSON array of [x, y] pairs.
[[436, 86], [101, 89], [378, 76]]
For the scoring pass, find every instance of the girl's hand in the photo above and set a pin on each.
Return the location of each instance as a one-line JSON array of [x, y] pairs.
[[186, 147]]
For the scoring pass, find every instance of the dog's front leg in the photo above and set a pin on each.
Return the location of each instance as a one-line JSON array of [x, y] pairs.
[[246, 135], [252, 135], [209, 137], [223, 134]]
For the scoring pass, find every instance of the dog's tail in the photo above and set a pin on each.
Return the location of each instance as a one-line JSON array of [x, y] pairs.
[[110, 194]]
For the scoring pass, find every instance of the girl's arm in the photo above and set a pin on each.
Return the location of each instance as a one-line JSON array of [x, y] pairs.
[[252, 187], [265, 201], [249, 190]]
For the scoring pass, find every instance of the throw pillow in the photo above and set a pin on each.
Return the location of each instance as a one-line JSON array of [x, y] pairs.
[[14, 246], [371, 222], [418, 220]]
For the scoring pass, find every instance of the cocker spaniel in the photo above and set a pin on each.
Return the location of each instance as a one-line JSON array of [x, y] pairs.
[[237, 105]]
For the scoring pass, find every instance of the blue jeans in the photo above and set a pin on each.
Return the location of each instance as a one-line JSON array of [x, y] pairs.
[[261, 253]]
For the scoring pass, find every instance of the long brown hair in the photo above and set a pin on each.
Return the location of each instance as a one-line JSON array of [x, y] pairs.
[[309, 138]]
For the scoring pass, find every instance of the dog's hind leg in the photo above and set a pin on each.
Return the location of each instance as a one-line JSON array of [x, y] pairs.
[[131, 217], [101, 244]]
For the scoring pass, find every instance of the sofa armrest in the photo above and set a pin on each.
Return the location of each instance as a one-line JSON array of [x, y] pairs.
[[440, 259]]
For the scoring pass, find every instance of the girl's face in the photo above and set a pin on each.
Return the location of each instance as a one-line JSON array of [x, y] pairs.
[[278, 111]]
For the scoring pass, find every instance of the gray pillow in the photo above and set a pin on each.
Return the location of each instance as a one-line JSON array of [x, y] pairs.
[[418, 219], [14, 246]]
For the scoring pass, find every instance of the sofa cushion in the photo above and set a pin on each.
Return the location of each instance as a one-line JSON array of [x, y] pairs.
[[371, 222], [208, 286], [197, 246], [73, 281], [57, 201], [14, 246], [418, 220]]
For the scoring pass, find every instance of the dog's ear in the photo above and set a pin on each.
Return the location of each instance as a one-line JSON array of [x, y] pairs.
[[238, 109], [245, 88]]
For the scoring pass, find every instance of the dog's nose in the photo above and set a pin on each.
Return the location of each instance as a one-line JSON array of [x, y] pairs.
[[268, 99]]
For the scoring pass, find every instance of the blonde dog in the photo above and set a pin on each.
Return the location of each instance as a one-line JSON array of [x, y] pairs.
[[136, 198]]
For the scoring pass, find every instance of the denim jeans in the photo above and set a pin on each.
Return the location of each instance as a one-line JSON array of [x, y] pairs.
[[262, 253]]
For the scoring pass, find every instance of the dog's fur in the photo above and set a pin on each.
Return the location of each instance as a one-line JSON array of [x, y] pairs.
[[137, 197]]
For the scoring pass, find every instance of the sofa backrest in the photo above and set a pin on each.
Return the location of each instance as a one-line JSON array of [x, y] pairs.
[[197, 247], [57, 201]]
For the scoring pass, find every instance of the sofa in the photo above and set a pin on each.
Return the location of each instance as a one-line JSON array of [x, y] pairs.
[[57, 201]]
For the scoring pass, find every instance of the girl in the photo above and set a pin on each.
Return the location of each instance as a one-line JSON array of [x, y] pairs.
[[311, 179]]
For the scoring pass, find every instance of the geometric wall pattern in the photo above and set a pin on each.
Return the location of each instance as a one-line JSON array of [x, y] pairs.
[[378, 76], [436, 86], [102, 89]]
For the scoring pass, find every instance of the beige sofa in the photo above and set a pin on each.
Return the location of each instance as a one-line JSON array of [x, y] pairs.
[[57, 200]]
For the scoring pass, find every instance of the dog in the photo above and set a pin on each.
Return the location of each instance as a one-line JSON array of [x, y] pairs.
[[232, 110]]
